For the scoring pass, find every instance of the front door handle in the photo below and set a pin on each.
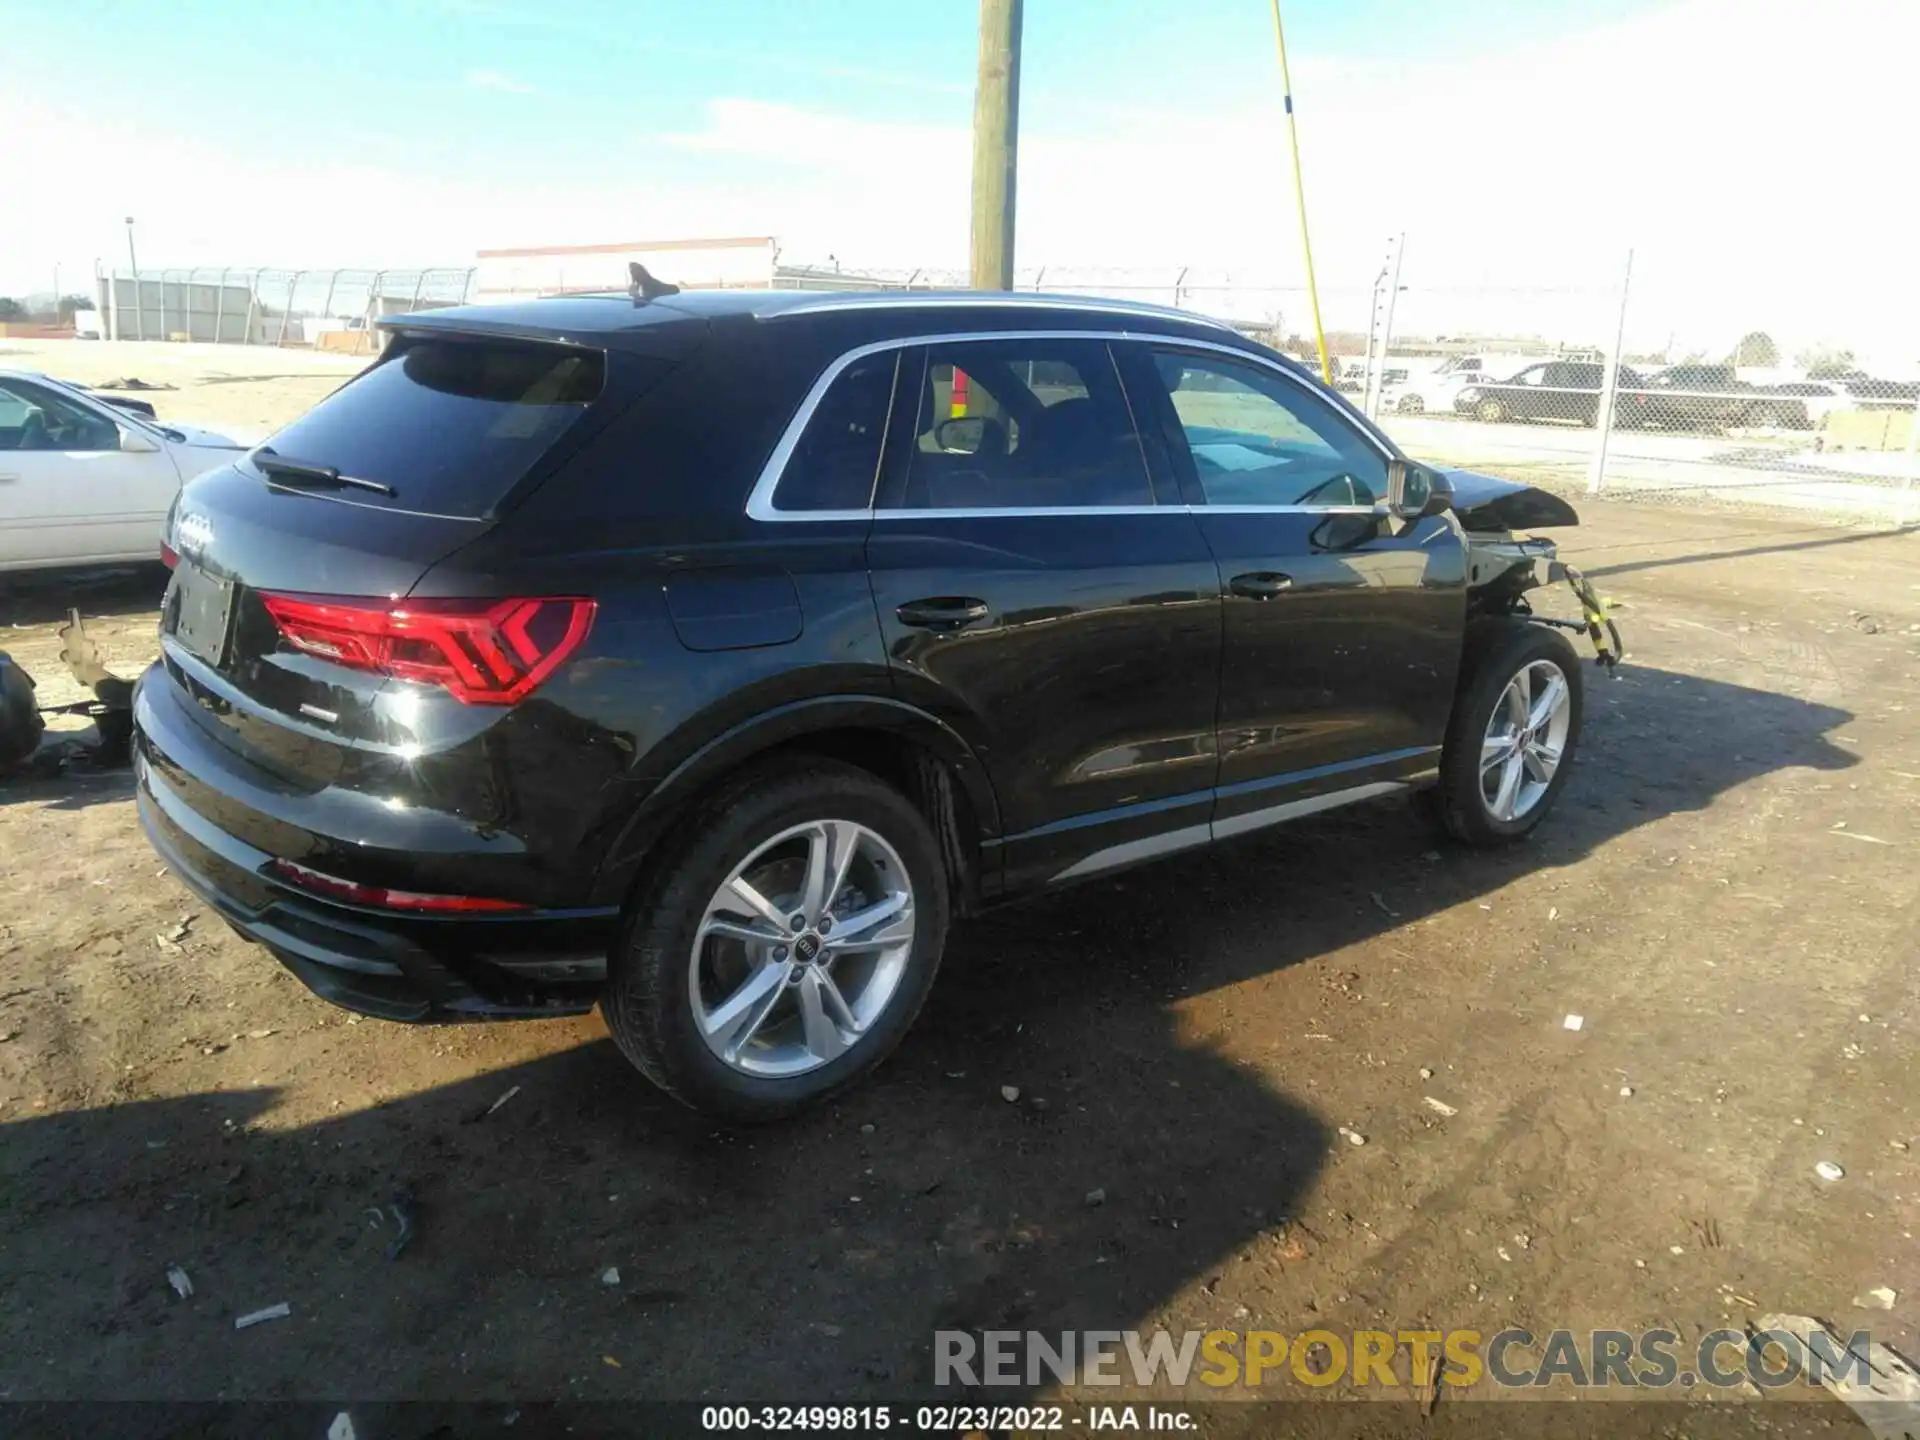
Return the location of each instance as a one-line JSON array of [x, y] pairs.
[[942, 612], [1260, 584]]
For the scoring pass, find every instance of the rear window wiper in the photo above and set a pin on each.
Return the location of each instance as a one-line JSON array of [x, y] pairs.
[[279, 467]]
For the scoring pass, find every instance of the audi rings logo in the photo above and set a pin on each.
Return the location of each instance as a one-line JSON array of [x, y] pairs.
[[192, 533]]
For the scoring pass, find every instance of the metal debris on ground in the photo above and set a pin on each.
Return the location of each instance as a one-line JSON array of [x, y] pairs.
[[1856, 835], [1827, 1170], [1439, 1107], [1010, 1093], [1426, 1073], [515, 1090], [404, 1211], [1573, 1022], [1878, 1298], [1352, 1137], [256, 1317], [610, 1276], [1427, 1386], [1887, 1401], [178, 1279]]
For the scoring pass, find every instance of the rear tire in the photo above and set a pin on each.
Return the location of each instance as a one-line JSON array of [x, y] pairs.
[[1492, 412], [1500, 773], [674, 975]]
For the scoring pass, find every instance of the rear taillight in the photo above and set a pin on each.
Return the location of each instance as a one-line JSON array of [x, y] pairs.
[[485, 652], [354, 893], [169, 557]]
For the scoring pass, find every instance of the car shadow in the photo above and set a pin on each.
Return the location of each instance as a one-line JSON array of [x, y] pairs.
[[1045, 1152]]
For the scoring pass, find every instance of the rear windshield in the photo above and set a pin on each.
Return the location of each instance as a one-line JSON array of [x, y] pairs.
[[449, 425]]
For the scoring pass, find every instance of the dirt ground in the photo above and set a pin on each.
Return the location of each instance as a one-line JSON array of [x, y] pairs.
[[1726, 896]]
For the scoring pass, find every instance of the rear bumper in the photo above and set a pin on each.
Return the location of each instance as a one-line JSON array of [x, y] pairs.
[[396, 967]]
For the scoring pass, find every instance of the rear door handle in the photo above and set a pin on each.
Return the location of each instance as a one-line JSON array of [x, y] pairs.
[[1260, 584], [942, 612]]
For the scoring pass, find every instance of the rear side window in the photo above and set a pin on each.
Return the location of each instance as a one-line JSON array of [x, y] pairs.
[[1019, 423], [450, 425], [834, 465]]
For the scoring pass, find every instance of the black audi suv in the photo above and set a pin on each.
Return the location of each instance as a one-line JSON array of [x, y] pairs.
[[703, 655]]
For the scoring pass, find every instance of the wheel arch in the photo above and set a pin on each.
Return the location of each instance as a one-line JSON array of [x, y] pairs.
[[898, 743]]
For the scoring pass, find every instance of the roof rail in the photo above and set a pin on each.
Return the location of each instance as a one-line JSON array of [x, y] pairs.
[[978, 300]]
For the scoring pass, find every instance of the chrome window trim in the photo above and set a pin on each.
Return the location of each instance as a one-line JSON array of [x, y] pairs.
[[760, 499]]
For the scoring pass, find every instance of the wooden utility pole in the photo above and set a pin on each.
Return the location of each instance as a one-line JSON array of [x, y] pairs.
[[996, 144]]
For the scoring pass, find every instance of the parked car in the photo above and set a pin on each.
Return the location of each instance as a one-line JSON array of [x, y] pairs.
[[1566, 390], [1411, 391], [85, 481], [704, 655], [1695, 397], [1801, 404]]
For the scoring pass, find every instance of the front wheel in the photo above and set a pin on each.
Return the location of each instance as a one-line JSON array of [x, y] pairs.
[[1490, 411], [1514, 730], [782, 952]]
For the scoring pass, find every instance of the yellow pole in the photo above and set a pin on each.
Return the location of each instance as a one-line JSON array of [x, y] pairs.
[[1300, 195]]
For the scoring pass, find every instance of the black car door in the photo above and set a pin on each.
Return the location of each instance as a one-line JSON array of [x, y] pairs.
[[1342, 625], [1033, 595]]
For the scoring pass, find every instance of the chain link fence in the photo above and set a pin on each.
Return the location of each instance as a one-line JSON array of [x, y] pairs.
[[1554, 383], [238, 305]]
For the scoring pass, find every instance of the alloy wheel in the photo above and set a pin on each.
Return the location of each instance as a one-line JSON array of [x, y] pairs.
[[1526, 736], [801, 949]]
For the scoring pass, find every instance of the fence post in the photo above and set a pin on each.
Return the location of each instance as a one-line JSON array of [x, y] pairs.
[[1609, 383], [286, 315], [466, 284], [1909, 510], [326, 307], [1386, 334], [418, 285], [220, 305], [253, 304], [163, 304]]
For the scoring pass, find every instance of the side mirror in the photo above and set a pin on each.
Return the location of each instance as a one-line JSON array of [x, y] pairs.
[[1413, 492], [133, 442], [962, 435]]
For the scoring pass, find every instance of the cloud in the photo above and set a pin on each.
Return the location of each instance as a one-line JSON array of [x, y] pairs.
[[1749, 158], [496, 82]]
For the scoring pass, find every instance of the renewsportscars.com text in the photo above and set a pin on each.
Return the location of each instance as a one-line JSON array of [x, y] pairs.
[[1385, 1359]]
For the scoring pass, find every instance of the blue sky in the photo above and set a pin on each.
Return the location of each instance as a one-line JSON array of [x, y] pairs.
[[1522, 145], [471, 86]]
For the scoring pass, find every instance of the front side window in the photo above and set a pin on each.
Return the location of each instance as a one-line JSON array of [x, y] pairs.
[[1019, 424], [833, 466], [32, 418], [1256, 438]]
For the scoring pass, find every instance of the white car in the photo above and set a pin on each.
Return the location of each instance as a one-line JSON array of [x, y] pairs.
[[85, 483]]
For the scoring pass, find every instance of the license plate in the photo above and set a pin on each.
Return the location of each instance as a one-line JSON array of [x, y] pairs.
[[203, 613]]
